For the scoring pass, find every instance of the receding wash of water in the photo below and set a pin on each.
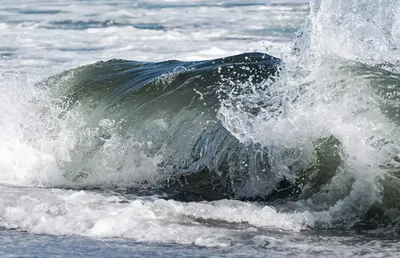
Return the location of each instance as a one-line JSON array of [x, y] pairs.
[[200, 128]]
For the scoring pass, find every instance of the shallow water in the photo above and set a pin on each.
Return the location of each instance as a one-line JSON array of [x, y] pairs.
[[81, 177], [277, 244]]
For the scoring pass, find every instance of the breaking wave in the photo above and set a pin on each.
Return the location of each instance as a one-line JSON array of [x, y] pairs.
[[316, 132]]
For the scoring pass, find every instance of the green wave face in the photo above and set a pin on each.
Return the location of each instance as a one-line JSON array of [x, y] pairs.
[[168, 111], [165, 111]]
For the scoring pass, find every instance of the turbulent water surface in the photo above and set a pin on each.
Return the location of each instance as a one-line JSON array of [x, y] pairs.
[[200, 128]]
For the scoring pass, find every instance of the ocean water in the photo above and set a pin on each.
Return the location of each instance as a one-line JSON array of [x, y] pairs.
[[168, 128]]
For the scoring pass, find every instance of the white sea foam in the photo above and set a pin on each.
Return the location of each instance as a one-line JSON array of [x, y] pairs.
[[67, 212]]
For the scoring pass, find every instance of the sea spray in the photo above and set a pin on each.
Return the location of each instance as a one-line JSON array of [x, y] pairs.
[[333, 85]]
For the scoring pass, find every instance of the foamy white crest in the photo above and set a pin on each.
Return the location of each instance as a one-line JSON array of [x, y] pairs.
[[322, 91]]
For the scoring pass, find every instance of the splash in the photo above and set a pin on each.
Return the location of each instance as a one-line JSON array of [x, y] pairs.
[[363, 31], [341, 81]]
